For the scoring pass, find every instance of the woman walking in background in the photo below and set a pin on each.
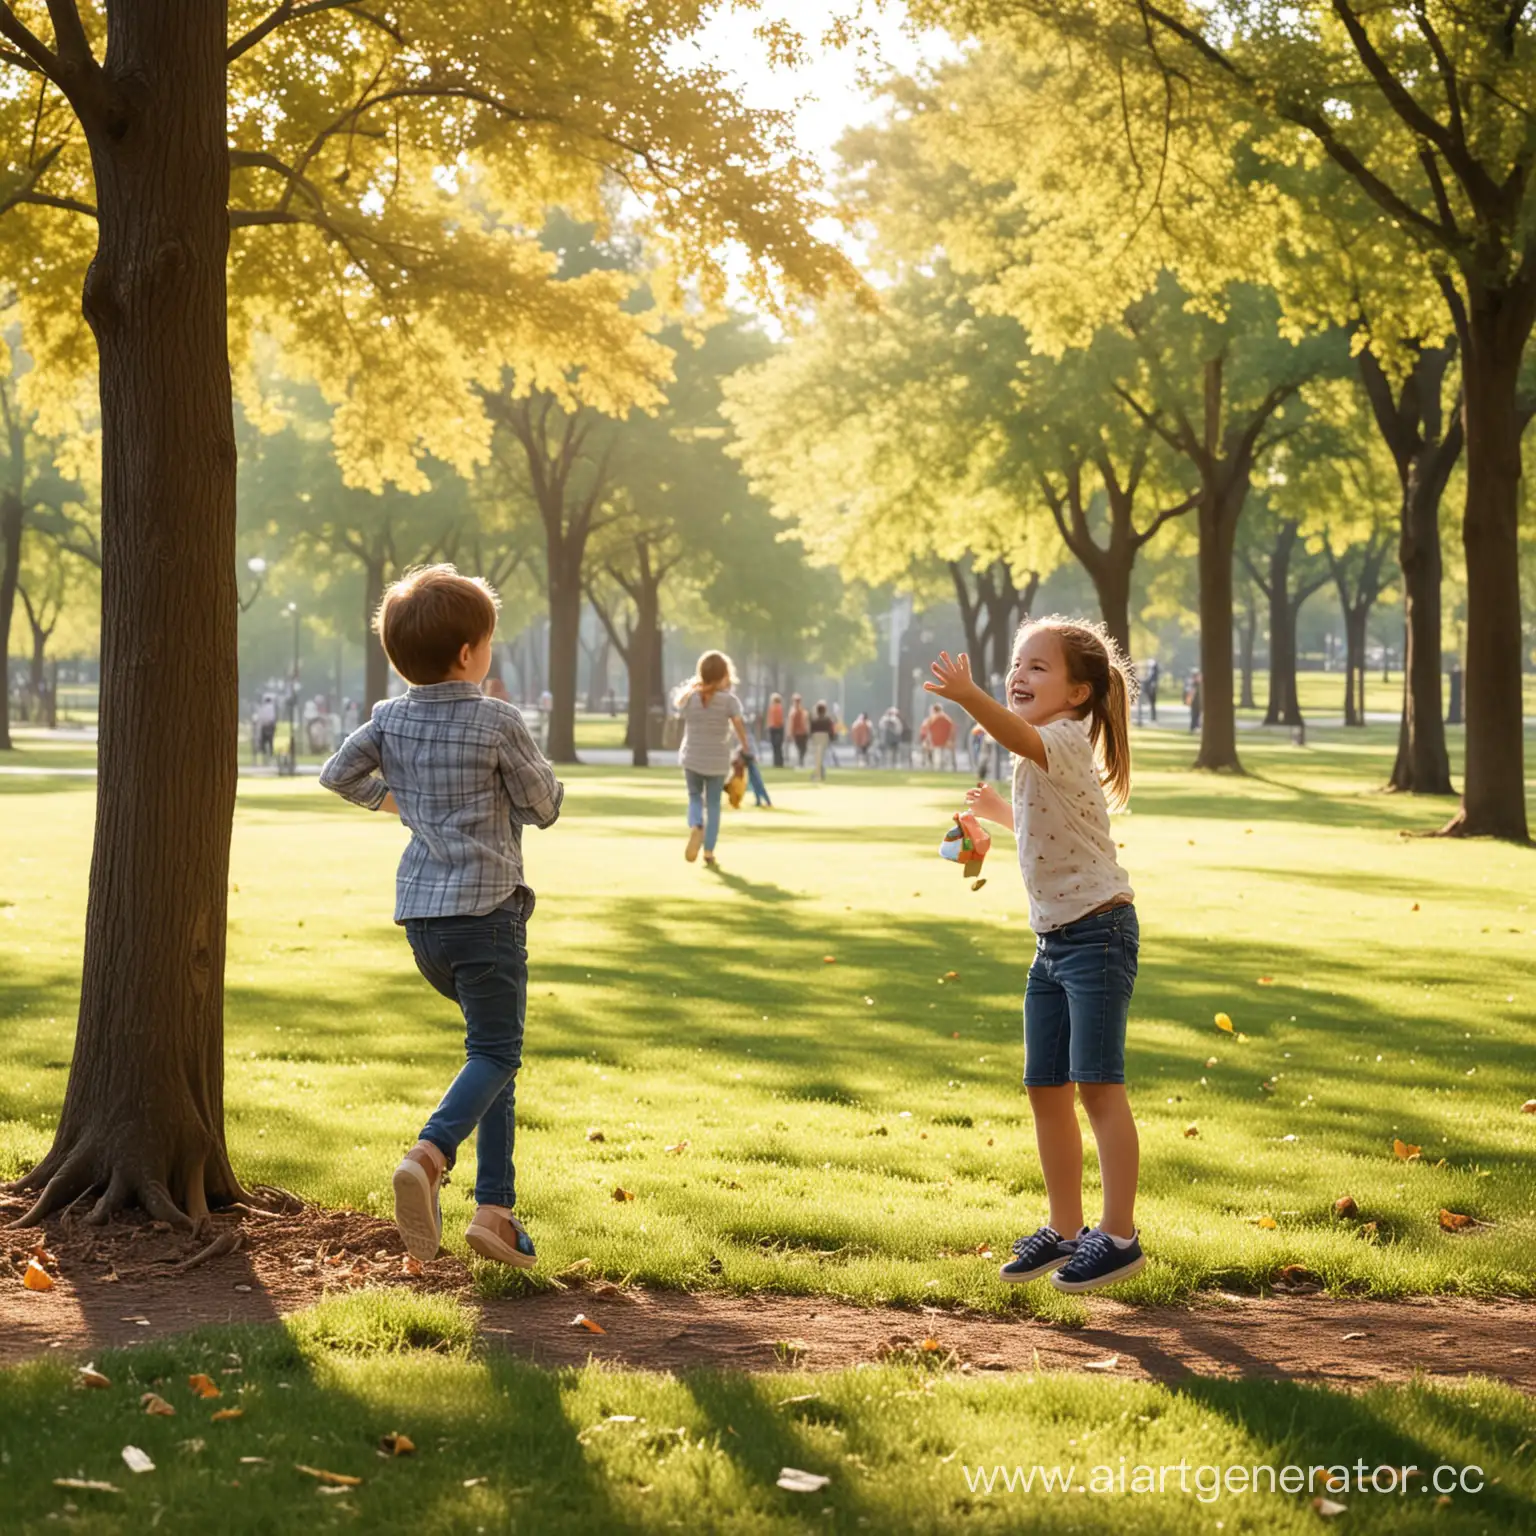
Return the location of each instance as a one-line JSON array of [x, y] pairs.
[[799, 728], [709, 711], [823, 731], [775, 723]]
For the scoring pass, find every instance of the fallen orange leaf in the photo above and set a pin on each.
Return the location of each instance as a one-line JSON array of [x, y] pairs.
[[220, 1414], [1529, 1107], [203, 1386], [829, 959], [1191, 1130], [581, 1320], [1345, 1206], [931, 1346], [409, 1265], [1454, 1221], [1266, 981], [335, 1479], [1268, 1223], [154, 1403], [37, 1278], [1223, 1021], [621, 1194], [396, 1444], [91, 1377], [1404, 1150]]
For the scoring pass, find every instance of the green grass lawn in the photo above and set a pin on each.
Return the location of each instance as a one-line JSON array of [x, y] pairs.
[[858, 1127], [503, 1446]]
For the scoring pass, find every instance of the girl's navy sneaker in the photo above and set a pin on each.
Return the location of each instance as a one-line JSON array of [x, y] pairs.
[[1099, 1261], [1038, 1255]]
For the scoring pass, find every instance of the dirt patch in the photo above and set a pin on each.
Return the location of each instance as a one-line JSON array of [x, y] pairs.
[[134, 1278], [120, 1284], [1340, 1343]]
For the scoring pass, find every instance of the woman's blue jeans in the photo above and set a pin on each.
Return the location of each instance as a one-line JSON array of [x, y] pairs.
[[704, 804], [481, 963]]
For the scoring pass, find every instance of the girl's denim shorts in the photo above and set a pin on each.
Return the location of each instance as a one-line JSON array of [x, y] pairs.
[[1077, 999]]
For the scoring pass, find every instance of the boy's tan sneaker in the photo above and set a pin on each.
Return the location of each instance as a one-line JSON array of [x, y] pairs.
[[695, 842], [418, 1214], [495, 1233]]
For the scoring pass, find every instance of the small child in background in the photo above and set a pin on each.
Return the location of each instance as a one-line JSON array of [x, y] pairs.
[[736, 784], [462, 772], [1067, 722]]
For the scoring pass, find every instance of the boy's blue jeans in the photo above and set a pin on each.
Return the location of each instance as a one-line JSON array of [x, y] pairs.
[[704, 792], [481, 963]]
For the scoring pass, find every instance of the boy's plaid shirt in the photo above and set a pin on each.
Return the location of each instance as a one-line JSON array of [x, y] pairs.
[[467, 778]]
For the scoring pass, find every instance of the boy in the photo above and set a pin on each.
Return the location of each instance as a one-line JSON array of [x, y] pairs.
[[463, 774]]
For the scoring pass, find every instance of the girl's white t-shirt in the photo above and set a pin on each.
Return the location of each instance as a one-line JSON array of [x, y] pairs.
[[1060, 817]]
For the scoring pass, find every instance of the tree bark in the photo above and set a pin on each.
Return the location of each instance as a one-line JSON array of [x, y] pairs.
[[564, 645], [1354, 665], [1493, 795], [143, 1113], [12, 515], [1410, 423], [375, 662], [1221, 505], [1283, 707], [1247, 633]]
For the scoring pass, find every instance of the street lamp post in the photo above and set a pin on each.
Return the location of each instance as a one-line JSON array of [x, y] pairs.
[[291, 764], [258, 569]]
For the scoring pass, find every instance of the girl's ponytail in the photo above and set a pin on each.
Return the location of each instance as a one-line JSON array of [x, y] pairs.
[[1115, 736]]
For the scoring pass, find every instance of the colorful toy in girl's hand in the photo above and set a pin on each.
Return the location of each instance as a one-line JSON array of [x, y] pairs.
[[966, 844]]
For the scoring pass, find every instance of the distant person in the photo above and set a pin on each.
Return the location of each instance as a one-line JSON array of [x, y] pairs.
[[1150, 681], [823, 734], [462, 772], [799, 728], [1192, 697], [862, 734], [890, 737], [775, 723], [348, 717], [266, 726], [496, 689], [709, 712], [938, 735]]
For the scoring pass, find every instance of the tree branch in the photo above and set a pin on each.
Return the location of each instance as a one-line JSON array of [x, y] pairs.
[[289, 10], [41, 57]]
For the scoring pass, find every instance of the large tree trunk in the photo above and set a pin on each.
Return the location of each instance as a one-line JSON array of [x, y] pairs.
[[1493, 797], [565, 598], [643, 676], [1247, 633], [1354, 664], [375, 662], [1410, 421], [1423, 765], [1220, 507], [970, 611], [1283, 708], [1112, 584], [12, 514], [143, 1113]]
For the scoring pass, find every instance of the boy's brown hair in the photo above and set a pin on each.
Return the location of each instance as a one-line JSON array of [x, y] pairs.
[[427, 617]]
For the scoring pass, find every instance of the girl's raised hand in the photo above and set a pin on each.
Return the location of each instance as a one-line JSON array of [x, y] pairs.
[[985, 801], [954, 678]]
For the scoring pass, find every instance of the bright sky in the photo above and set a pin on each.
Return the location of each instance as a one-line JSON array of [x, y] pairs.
[[831, 91], [828, 94]]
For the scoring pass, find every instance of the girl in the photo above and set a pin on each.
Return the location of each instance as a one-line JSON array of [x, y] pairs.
[[1067, 722], [709, 711]]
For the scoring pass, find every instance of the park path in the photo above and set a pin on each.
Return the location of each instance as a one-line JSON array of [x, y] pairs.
[[117, 1286]]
